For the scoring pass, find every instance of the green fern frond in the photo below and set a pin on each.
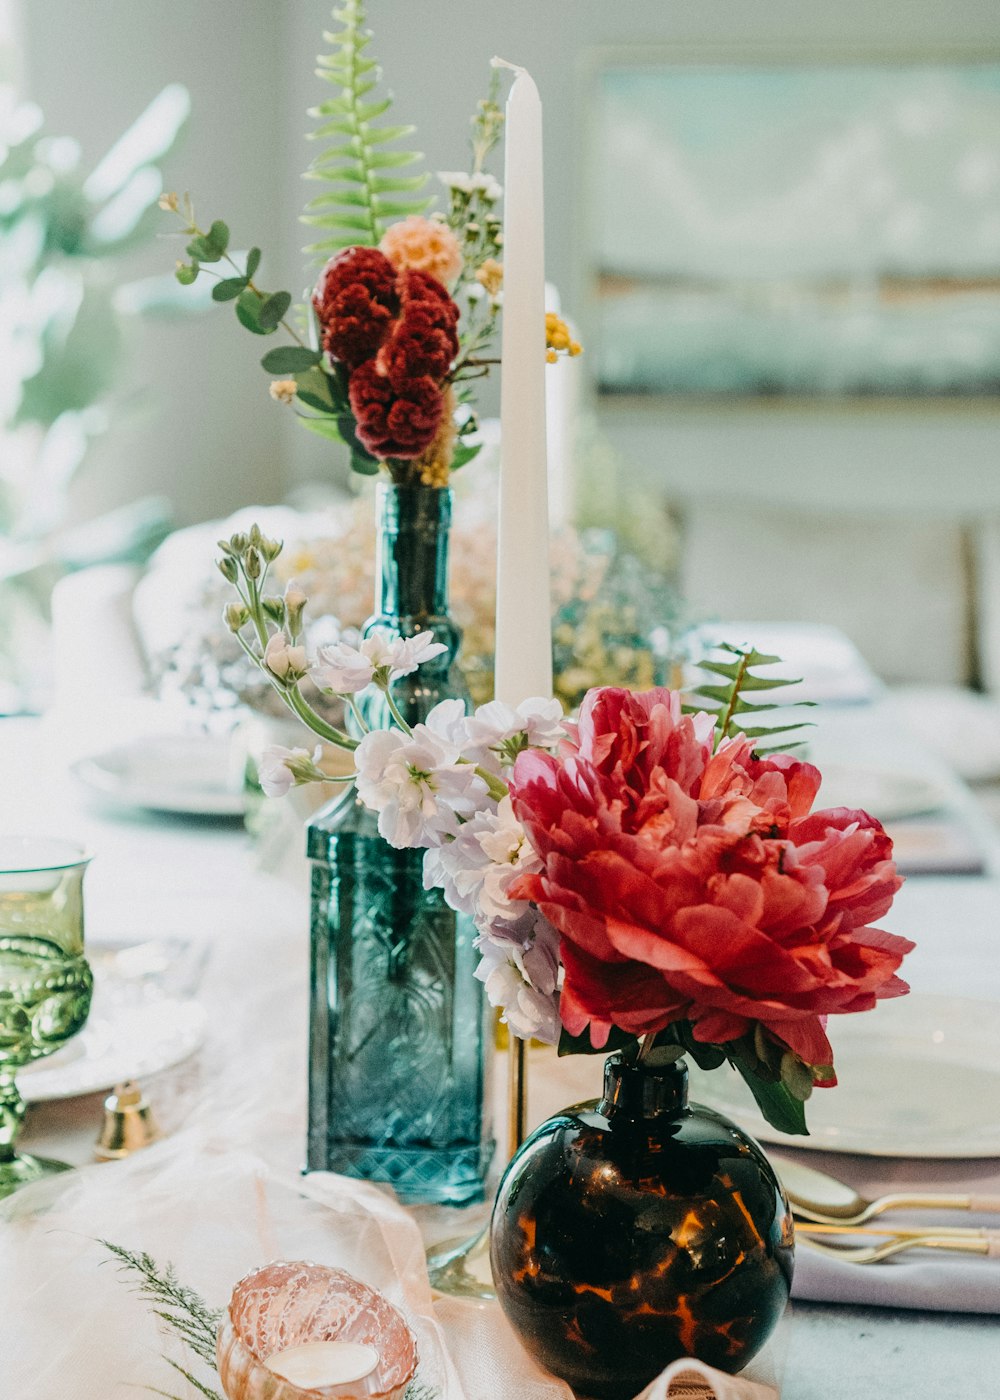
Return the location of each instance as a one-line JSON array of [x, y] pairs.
[[727, 701], [366, 190]]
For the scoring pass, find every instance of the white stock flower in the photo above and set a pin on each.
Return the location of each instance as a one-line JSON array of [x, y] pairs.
[[416, 784], [284, 660], [477, 868], [520, 971], [273, 772], [346, 670], [498, 732]]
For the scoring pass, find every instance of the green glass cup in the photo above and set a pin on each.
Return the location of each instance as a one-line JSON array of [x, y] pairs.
[[45, 980]]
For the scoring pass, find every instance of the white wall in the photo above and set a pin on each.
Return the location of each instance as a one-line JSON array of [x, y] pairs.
[[249, 66]]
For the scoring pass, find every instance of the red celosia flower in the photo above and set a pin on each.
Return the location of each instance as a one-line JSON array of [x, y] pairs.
[[421, 289], [390, 422], [356, 301], [417, 347], [693, 886]]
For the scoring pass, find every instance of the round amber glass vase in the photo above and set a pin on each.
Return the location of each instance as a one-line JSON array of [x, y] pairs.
[[637, 1229]]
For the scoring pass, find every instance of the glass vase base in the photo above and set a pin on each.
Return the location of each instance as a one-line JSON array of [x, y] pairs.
[[419, 1176], [461, 1268], [23, 1170]]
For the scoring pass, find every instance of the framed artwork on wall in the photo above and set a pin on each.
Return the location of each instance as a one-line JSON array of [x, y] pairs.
[[792, 230]]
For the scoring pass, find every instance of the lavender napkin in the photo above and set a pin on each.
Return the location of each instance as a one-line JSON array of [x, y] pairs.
[[920, 1278]]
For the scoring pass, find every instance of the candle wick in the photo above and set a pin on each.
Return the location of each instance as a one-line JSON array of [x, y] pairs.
[[496, 62]]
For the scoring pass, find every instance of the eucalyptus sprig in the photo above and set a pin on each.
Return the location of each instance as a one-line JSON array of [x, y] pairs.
[[362, 166], [727, 702], [259, 311]]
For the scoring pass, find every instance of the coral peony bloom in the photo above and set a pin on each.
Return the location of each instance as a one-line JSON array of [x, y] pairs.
[[356, 302], [424, 244], [391, 423], [688, 885]]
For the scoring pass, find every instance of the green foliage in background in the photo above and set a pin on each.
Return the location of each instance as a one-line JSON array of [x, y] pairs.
[[63, 309]]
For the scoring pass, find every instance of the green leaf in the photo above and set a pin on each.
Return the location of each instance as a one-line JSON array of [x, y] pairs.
[[286, 359], [358, 199], [392, 209], [762, 731], [228, 289], [218, 236], [392, 160], [204, 250], [323, 427], [317, 389], [272, 310], [781, 1108], [768, 682], [186, 273], [581, 1044], [390, 184], [352, 221], [363, 464], [340, 126], [248, 305], [384, 134], [464, 453], [368, 111], [253, 261]]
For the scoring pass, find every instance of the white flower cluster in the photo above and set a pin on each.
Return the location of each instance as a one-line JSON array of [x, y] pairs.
[[441, 787], [468, 184]]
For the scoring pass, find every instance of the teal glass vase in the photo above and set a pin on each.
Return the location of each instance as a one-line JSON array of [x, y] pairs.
[[399, 1026]]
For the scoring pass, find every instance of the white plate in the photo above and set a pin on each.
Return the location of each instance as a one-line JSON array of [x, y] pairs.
[[188, 774], [887, 795], [918, 1077], [118, 1044]]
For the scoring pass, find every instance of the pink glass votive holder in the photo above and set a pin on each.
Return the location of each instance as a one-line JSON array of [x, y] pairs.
[[286, 1305]]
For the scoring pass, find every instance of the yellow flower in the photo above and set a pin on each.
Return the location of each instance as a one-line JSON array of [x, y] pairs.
[[169, 202], [433, 466], [425, 244], [284, 390], [490, 276], [558, 338]]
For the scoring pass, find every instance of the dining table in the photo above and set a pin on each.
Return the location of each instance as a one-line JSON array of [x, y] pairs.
[[236, 941]]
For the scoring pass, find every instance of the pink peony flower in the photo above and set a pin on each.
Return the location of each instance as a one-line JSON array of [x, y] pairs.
[[688, 885]]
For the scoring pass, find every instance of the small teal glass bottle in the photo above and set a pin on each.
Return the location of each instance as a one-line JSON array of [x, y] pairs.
[[399, 1026]]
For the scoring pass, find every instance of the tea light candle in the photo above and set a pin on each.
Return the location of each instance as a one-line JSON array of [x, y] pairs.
[[323, 1363]]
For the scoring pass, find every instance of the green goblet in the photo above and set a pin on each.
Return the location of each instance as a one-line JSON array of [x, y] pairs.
[[45, 981]]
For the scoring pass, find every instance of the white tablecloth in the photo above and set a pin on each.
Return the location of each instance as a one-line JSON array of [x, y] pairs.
[[238, 1115]]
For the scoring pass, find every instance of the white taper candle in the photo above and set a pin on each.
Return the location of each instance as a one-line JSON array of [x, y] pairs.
[[524, 613]]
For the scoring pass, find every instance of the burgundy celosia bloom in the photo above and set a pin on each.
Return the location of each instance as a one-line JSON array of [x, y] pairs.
[[356, 301], [417, 347], [688, 885], [391, 423]]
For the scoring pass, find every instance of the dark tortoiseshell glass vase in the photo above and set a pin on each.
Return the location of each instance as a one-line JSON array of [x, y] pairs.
[[637, 1229]]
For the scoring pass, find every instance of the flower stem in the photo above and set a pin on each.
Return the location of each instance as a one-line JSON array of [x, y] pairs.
[[394, 710]]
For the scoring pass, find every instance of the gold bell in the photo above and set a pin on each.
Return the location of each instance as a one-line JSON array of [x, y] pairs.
[[128, 1123]]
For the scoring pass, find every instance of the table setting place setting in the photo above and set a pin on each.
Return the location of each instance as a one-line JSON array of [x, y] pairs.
[[606, 1042]]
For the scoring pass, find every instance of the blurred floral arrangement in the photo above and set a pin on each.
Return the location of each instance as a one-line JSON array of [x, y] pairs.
[[385, 354], [63, 311], [614, 616]]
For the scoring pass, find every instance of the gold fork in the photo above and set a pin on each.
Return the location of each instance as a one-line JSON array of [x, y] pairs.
[[875, 1253]]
